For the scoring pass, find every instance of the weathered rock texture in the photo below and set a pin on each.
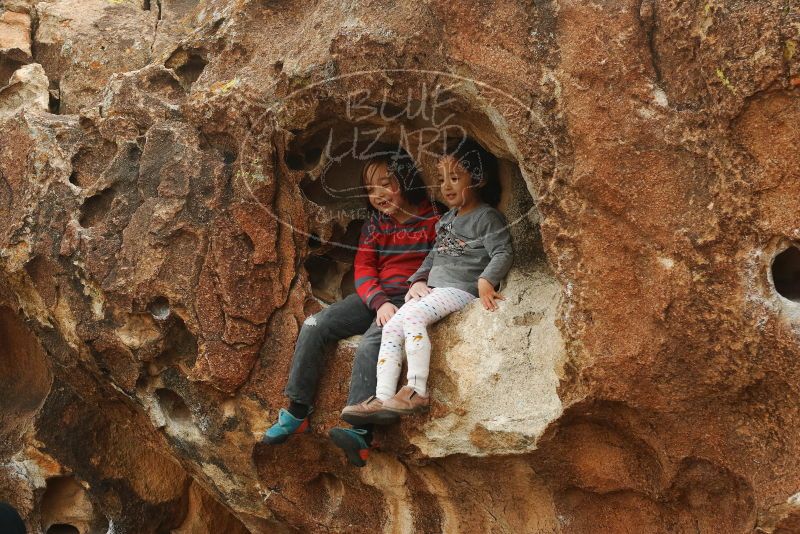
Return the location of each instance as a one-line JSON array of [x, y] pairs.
[[168, 212]]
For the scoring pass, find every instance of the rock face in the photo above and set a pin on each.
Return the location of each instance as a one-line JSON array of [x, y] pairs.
[[178, 192]]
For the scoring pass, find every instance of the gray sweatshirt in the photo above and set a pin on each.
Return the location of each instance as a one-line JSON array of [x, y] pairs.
[[468, 247]]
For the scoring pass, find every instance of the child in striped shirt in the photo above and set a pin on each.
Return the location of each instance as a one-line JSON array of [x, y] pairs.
[[394, 240]]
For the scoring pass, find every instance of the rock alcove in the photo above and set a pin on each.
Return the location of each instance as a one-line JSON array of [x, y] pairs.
[[329, 153], [326, 157]]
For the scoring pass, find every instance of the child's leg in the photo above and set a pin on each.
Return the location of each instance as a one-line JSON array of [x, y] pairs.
[[339, 320], [390, 356], [431, 308]]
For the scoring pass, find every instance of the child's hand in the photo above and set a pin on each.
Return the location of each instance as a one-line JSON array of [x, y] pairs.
[[418, 290], [385, 313], [488, 295]]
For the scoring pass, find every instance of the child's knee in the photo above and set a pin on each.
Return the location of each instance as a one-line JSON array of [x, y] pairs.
[[394, 325]]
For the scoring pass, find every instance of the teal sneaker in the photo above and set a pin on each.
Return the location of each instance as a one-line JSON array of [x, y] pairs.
[[286, 426], [352, 442]]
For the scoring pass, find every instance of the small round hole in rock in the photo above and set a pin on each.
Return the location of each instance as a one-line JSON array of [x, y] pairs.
[[159, 308], [786, 274]]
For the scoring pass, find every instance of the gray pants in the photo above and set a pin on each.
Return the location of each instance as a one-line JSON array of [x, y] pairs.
[[342, 319]]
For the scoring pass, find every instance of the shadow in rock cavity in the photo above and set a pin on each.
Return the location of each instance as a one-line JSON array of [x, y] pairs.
[[173, 407], [786, 274], [327, 155]]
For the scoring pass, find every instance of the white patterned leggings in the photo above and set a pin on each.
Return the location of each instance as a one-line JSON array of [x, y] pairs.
[[409, 325]]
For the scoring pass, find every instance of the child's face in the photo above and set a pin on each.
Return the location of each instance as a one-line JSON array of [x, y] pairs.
[[455, 183], [384, 190]]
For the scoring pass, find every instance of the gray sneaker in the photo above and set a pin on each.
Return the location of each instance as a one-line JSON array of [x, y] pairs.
[[407, 401], [367, 412]]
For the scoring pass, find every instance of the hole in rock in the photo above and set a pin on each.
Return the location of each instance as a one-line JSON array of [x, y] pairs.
[[327, 277], [187, 64], [333, 156], [786, 274], [337, 184], [173, 406], [330, 269], [8, 67], [25, 376], [95, 208], [295, 161], [217, 24], [159, 308], [519, 208], [303, 160], [65, 507], [181, 344], [54, 101]]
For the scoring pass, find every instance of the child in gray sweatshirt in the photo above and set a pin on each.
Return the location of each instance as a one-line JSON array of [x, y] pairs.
[[471, 256]]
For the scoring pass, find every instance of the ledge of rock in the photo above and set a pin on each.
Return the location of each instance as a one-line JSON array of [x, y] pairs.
[[496, 375]]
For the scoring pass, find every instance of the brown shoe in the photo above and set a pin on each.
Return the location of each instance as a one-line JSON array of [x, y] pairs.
[[367, 412], [407, 401]]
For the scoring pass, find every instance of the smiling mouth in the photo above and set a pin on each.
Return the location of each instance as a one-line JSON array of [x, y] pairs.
[[451, 196]]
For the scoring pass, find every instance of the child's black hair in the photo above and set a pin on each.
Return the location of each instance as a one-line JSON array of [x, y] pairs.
[[404, 169], [480, 164]]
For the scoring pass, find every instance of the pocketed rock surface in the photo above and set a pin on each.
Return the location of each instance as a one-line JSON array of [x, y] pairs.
[[168, 214]]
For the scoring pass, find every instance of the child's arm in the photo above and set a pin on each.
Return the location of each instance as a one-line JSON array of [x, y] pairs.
[[497, 242], [419, 280], [365, 267], [424, 268]]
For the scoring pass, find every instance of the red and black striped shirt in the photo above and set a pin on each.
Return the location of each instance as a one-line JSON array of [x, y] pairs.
[[389, 252]]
